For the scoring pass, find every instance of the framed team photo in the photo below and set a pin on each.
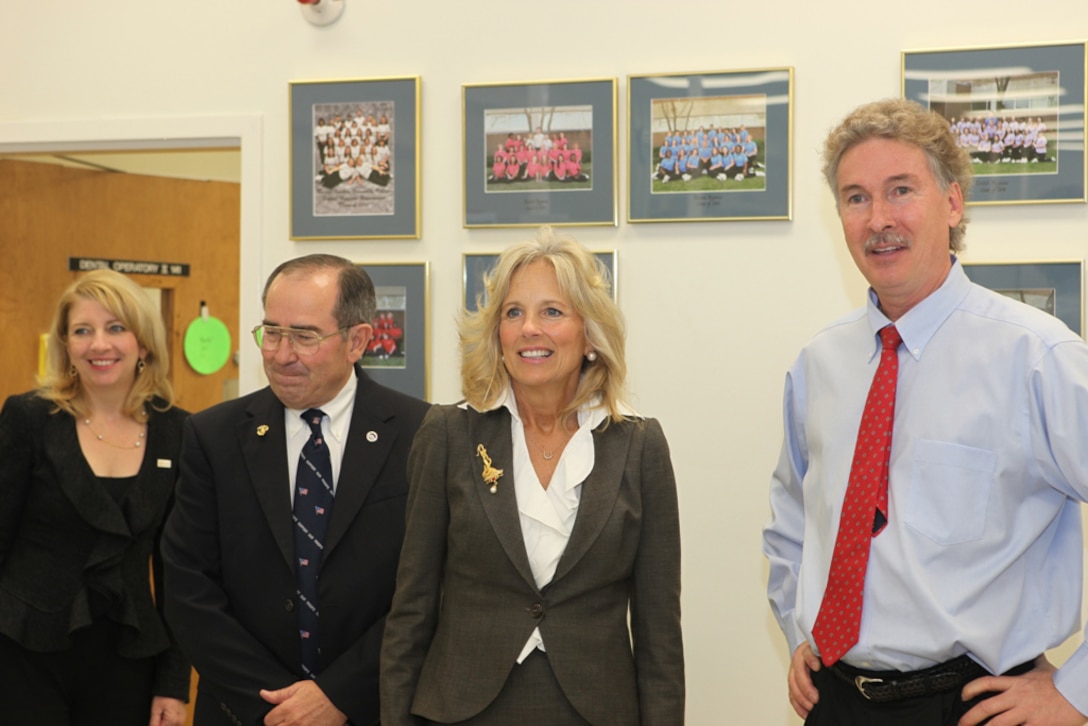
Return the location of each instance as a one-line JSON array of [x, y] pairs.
[[355, 159], [1053, 287], [397, 355], [711, 146], [540, 153], [475, 265], [1018, 110]]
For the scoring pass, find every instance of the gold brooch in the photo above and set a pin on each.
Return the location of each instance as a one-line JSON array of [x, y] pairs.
[[490, 474], [262, 430]]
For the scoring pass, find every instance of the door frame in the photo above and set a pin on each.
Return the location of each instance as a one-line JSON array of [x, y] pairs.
[[242, 131]]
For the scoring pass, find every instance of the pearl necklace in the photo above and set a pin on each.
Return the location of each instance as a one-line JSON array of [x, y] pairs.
[[100, 437]]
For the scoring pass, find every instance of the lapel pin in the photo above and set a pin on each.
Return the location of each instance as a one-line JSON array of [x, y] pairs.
[[372, 436], [164, 463], [262, 429], [490, 474]]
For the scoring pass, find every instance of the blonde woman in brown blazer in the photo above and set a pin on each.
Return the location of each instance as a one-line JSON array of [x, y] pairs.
[[539, 582]]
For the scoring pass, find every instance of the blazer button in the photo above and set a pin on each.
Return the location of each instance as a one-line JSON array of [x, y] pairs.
[[536, 610], [289, 605]]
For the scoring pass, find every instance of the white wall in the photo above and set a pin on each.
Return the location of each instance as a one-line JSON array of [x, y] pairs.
[[716, 311]]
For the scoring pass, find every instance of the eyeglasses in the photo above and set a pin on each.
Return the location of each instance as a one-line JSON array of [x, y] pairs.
[[303, 342]]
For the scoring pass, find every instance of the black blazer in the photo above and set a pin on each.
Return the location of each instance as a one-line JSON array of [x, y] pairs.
[[62, 533], [230, 562]]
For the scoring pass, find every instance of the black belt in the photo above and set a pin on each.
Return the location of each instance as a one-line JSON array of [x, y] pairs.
[[888, 686]]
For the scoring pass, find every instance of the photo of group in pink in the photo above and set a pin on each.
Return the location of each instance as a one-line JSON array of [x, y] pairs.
[[387, 347], [539, 148]]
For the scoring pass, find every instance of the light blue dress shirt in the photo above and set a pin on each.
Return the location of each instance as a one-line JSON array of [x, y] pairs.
[[989, 463]]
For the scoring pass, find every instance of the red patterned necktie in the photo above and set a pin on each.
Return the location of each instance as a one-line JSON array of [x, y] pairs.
[[864, 511]]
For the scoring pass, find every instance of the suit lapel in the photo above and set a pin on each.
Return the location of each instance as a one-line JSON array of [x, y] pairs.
[[492, 429], [599, 492], [263, 442], [146, 499], [369, 443]]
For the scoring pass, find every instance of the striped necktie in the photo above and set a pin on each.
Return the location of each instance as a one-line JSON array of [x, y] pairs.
[[312, 511]]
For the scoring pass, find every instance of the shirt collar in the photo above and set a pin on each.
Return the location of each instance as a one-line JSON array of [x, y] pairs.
[[589, 415], [919, 324], [338, 410]]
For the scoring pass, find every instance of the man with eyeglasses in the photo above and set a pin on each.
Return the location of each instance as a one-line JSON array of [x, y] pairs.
[[304, 476]]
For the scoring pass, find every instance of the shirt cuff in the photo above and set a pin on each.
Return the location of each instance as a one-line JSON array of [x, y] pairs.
[[794, 636], [1071, 679]]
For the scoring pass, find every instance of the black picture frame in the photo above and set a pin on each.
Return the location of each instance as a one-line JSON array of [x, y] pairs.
[[382, 198], [398, 355], [1057, 287], [475, 265], [1040, 85], [739, 107], [583, 111]]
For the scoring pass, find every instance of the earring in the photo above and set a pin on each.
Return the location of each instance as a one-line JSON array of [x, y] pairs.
[[591, 356], [140, 365], [72, 372]]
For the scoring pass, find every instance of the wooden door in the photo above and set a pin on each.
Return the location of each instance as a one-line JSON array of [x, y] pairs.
[[50, 213]]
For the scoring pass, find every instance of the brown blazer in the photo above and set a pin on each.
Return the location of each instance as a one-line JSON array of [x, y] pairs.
[[466, 601]]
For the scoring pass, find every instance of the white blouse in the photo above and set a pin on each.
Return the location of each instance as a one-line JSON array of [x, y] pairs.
[[547, 515]]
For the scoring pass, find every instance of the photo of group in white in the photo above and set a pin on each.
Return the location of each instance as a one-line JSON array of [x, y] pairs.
[[539, 149], [1007, 123], [709, 143], [353, 158]]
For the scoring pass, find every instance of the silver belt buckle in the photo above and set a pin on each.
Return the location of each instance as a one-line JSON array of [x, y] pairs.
[[861, 681]]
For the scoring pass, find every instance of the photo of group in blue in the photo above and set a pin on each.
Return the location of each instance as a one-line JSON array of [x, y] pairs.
[[1007, 123], [539, 149], [353, 159], [709, 143]]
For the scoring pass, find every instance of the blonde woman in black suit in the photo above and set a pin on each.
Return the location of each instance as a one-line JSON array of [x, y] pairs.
[[539, 582], [88, 463]]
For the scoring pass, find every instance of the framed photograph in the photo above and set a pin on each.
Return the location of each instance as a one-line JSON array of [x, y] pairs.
[[397, 355], [355, 159], [710, 146], [540, 153], [1054, 287], [476, 265], [1018, 110]]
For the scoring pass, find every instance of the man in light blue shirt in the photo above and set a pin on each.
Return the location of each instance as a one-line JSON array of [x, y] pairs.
[[978, 570]]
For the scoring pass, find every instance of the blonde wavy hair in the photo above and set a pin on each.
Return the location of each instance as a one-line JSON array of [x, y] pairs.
[[133, 308], [898, 119], [584, 280]]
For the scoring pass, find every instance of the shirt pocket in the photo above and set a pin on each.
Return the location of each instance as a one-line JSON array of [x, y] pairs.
[[950, 491]]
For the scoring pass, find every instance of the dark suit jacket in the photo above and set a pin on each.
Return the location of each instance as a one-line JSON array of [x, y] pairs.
[[467, 602], [230, 562], [62, 533]]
